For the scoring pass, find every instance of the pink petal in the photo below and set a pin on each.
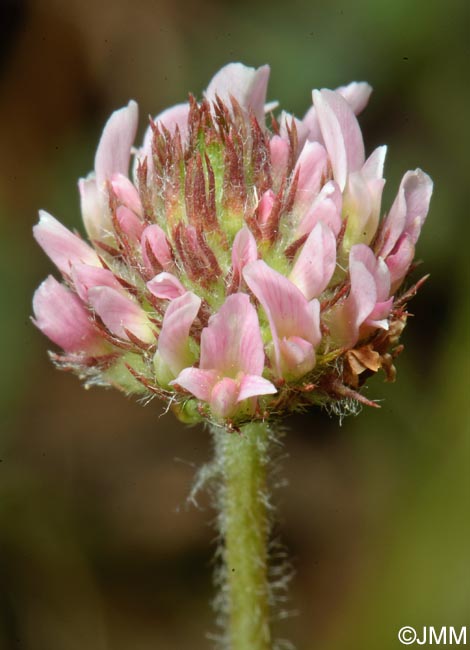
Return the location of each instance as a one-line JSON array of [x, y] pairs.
[[382, 279], [311, 167], [356, 204], [288, 311], [357, 95], [60, 245], [297, 357], [175, 117], [373, 168], [362, 200], [130, 223], [244, 251], [418, 191], [325, 208], [376, 266], [173, 341], [127, 193], [331, 191], [408, 211], [362, 298], [265, 206], [345, 319], [310, 120], [324, 212], [361, 207], [84, 277], [247, 85], [114, 149], [120, 313], [254, 385], [375, 188], [379, 315], [341, 134], [95, 213], [399, 260], [155, 239], [166, 286], [61, 316], [316, 263], [232, 341], [269, 107], [369, 299], [224, 397], [196, 381]]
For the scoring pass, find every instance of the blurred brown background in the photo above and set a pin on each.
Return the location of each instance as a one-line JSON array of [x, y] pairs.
[[98, 549]]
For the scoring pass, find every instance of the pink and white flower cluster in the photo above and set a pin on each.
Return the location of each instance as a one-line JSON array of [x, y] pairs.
[[238, 271]]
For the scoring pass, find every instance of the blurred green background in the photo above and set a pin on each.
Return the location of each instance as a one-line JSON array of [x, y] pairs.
[[98, 549]]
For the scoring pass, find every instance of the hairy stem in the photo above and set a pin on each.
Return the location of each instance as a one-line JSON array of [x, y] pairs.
[[244, 525]]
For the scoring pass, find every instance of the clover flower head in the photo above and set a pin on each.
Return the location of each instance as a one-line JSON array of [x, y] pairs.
[[240, 271]]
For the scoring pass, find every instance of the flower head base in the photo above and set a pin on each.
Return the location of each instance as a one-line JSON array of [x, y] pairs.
[[242, 271]]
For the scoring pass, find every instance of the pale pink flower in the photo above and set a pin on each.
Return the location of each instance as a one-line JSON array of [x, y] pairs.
[[174, 348], [315, 265], [359, 179], [231, 361], [279, 152], [238, 271], [325, 208], [294, 320], [156, 250], [357, 96], [369, 301], [85, 277], [126, 193], [311, 170], [403, 224], [61, 316], [166, 286], [247, 85], [244, 251], [62, 246], [111, 163], [122, 315]]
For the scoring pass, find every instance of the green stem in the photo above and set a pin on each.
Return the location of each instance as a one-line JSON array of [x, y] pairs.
[[244, 526]]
